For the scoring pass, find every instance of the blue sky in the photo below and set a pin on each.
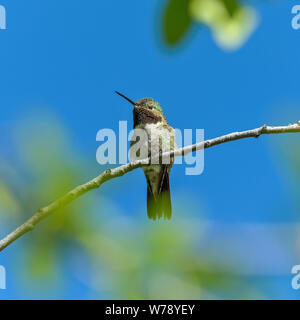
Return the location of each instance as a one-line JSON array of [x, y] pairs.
[[70, 56]]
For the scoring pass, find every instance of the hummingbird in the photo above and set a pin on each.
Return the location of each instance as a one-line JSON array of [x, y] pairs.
[[148, 115]]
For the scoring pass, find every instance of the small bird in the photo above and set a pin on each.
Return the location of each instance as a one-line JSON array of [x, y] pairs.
[[148, 116]]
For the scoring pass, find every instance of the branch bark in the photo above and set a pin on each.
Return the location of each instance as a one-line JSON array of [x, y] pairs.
[[109, 174]]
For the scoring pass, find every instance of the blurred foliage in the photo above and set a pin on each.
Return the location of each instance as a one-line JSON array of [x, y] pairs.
[[110, 253], [230, 21], [177, 21]]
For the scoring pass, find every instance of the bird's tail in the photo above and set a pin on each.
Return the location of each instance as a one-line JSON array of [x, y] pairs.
[[160, 205]]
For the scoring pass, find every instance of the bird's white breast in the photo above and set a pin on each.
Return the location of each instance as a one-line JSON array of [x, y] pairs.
[[155, 136]]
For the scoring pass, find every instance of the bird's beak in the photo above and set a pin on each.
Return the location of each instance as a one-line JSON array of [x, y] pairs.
[[122, 95]]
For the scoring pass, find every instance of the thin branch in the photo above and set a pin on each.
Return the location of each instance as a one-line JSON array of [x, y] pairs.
[[109, 174]]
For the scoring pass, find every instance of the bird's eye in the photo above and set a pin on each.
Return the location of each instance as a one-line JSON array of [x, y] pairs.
[[150, 107]]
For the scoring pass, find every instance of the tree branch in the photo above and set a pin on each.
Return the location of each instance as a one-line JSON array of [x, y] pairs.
[[109, 174]]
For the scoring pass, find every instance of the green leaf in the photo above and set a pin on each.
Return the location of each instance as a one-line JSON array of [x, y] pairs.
[[177, 21], [231, 6]]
